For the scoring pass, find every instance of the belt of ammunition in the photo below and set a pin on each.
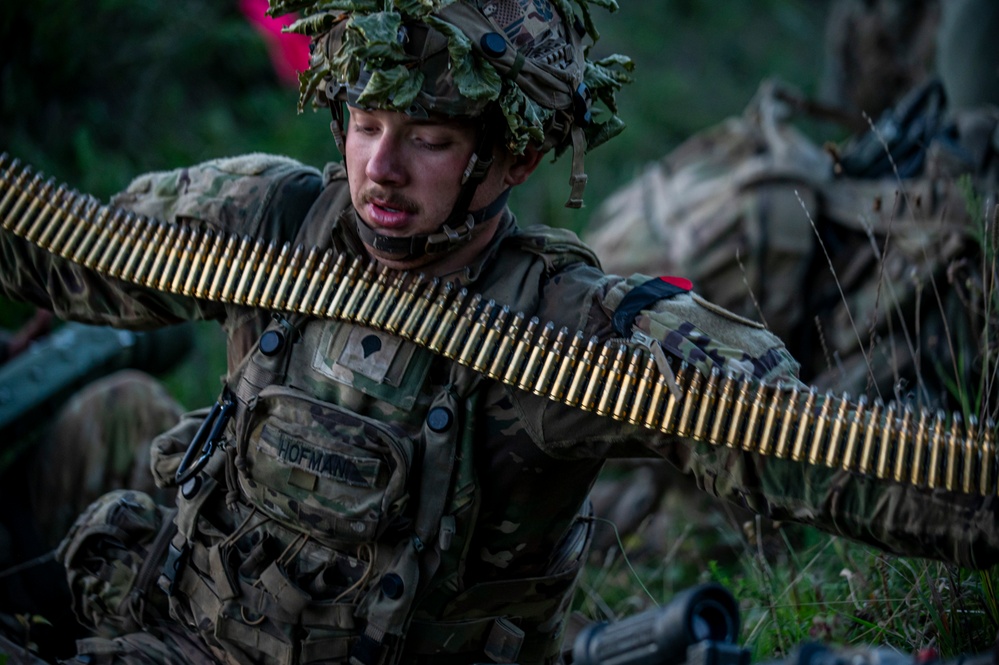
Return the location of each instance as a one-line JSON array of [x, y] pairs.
[[620, 381]]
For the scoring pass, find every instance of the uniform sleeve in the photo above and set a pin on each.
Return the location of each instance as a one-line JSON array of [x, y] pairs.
[[76, 293], [903, 519], [254, 195]]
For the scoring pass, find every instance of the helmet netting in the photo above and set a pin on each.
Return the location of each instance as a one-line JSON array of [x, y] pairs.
[[537, 94]]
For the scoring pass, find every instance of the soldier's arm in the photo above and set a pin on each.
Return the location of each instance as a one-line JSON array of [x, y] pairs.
[[76, 293], [253, 195], [903, 519]]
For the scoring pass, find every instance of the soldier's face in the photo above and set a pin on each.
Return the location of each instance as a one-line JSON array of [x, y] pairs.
[[405, 173]]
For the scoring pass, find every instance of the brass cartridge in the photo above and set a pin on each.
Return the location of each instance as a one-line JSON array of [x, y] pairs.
[[936, 445], [881, 471], [130, 247], [919, 448], [245, 269], [689, 395], [279, 299], [581, 370], [673, 401], [213, 265], [513, 370], [317, 281], [52, 212], [441, 334], [804, 425], [596, 377], [13, 218], [725, 394], [875, 422], [483, 359], [638, 405], [461, 326], [836, 433], [742, 400], [706, 403], [375, 293], [624, 398], [419, 310], [67, 211], [476, 334], [750, 438], [815, 447], [954, 440], [766, 439], [237, 270], [346, 285], [971, 454], [357, 293], [988, 460], [184, 259], [552, 359], [507, 341], [850, 450], [902, 450], [83, 208], [611, 387], [787, 424], [389, 301], [408, 295]]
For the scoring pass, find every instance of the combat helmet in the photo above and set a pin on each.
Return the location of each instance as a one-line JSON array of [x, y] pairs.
[[520, 66]]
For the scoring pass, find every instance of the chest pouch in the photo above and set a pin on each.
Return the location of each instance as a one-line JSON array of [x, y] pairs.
[[340, 476]]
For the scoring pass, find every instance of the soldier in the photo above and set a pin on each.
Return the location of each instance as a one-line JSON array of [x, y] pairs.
[[73, 431], [355, 497], [864, 259]]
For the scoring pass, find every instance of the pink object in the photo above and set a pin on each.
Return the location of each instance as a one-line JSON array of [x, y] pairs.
[[289, 52]]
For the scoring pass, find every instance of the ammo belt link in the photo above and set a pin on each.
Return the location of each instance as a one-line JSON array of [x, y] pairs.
[[620, 380]]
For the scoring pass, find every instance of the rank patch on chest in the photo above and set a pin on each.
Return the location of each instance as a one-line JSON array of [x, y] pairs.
[[354, 350], [370, 353]]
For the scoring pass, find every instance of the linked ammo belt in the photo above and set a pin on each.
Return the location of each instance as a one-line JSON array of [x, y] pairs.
[[615, 379]]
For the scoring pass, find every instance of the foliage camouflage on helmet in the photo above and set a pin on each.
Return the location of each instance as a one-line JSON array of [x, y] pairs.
[[371, 44]]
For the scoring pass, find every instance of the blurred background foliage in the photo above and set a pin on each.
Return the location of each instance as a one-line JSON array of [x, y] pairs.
[[96, 93]]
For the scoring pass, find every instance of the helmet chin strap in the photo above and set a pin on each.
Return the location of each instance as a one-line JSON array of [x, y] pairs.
[[448, 237]]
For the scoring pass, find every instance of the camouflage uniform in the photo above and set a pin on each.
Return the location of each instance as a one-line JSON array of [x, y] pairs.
[[96, 442], [101, 439], [279, 554], [867, 266], [751, 206]]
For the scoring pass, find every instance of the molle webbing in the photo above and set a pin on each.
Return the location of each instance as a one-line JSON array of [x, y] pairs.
[[620, 380]]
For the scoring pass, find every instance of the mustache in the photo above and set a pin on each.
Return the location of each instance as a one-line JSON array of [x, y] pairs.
[[387, 199]]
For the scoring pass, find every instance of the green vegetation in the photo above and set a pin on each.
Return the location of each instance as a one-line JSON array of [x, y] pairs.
[[795, 585], [96, 93]]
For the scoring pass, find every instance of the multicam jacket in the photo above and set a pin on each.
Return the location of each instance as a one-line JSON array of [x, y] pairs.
[[369, 488]]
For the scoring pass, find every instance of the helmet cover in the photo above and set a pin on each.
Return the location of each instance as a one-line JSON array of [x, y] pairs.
[[456, 57]]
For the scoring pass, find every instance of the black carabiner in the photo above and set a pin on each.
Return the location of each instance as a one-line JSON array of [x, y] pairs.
[[206, 438]]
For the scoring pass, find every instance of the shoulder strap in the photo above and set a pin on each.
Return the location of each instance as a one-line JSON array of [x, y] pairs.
[[558, 247]]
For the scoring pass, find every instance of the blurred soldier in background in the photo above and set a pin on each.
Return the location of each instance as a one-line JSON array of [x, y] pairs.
[[76, 420], [865, 258]]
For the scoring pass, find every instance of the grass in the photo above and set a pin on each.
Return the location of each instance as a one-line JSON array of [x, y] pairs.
[[806, 586]]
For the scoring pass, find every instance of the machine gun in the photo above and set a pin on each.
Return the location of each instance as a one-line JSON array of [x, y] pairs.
[[700, 626]]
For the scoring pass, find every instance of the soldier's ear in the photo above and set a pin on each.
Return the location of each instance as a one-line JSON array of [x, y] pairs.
[[520, 167]]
